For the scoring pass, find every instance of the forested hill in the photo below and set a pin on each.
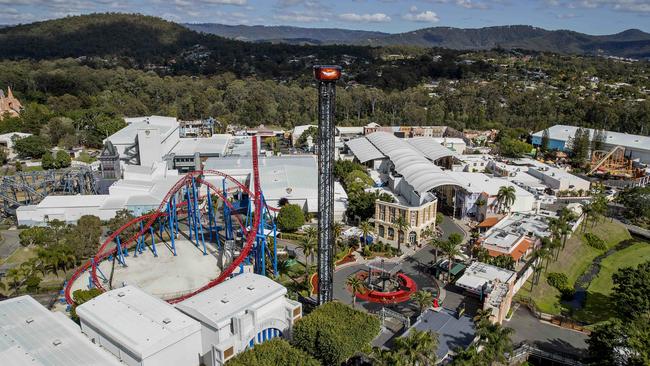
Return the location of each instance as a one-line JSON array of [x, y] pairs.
[[146, 41], [630, 43]]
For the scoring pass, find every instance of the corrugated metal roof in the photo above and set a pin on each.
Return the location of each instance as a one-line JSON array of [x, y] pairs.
[[565, 133], [410, 162], [431, 148], [364, 150]]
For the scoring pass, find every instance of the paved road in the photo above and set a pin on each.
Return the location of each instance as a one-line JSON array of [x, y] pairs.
[[448, 226], [544, 335], [10, 242], [526, 326], [415, 266]]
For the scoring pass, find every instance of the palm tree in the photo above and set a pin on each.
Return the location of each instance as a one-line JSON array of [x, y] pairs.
[[273, 142], [437, 245], [587, 213], [423, 298], [284, 269], [337, 230], [356, 286], [506, 198], [544, 255], [311, 231], [366, 229], [495, 340], [308, 246], [417, 348], [566, 217], [482, 316], [402, 226], [451, 250], [385, 357]]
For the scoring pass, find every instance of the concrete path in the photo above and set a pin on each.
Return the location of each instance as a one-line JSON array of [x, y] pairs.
[[10, 242]]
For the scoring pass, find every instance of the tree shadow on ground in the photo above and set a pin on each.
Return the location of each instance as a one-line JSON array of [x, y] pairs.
[[561, 347], [598, 307]]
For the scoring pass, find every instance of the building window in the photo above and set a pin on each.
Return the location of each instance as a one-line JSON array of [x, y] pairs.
[[391, 233], [391, 214], [381, 231], [382, 213], [413, 237]]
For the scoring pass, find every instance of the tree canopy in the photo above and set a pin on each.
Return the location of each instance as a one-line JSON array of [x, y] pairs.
[[290, 218], [334, 332], [271, 353]]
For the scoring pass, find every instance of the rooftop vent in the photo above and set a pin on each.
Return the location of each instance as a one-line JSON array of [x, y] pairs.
[[225, 300], [167, 321], [29, 320], [251, 287], [56, 342], [121, 294]]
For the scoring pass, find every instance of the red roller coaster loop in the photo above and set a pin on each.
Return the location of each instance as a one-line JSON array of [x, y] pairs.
[[162, 211]]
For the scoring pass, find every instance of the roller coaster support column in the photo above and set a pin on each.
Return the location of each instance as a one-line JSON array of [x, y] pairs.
[[275, 249], [171, 213], [227, 220], [197, 216], [189, 207], [260, 244], [153, 241], [119, 252], [211, 224], [327, 77]]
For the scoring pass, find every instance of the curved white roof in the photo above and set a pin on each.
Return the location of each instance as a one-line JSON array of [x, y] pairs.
[[431, 148], [364, 150], [417, 170]]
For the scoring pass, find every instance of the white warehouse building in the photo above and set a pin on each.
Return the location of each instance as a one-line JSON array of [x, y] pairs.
[[140, 329], [292, 177], [245, 310], [31, 335]]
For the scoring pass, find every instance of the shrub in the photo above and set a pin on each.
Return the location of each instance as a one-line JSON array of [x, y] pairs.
[[291, 218], [557, 280], [274, 352], [595, 241], [366, 251], [334, 332], [567, 293]]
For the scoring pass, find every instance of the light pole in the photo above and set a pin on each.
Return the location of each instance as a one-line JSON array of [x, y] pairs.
[[327, 77]]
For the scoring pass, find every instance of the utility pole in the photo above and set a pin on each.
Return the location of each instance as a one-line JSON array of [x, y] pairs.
[[327, 77]]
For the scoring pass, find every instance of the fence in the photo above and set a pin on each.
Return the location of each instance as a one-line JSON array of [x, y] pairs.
[[525, 350], [387, 313]]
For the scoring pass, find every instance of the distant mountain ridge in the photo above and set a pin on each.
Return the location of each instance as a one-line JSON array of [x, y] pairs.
[[630, 43], [288, 34]]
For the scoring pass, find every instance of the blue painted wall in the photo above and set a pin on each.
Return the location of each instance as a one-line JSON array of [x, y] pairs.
[[553, 144]]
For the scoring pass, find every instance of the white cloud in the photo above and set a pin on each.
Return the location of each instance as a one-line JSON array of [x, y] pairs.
[[226, 2], [424, 17], [634, 6], [366, 18], [469, 4], [296, 16]]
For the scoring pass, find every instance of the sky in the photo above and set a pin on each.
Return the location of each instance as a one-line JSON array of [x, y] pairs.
[[392, 16]]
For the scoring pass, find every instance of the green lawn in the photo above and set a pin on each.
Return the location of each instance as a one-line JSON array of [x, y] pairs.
[[598, 306], [573, 261], [19, 256]]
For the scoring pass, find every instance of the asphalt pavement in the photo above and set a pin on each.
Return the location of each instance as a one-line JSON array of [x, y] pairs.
[[545, 336]]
